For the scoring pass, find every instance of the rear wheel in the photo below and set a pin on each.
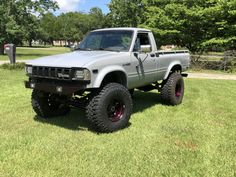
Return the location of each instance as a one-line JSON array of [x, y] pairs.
[[48, 105], [110, 109], [173, 90]]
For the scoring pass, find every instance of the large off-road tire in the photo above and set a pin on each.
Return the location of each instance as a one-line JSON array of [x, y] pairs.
[[173, 90], [47, 105], [110, 109]]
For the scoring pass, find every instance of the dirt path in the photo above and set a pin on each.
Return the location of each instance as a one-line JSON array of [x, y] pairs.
[[212, 76]]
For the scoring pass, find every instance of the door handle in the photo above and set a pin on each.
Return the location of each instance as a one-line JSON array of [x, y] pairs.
[[152, 55], [127, 64]]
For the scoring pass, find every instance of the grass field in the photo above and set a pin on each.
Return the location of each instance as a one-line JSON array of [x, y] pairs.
[[197, 138], [26, 53]]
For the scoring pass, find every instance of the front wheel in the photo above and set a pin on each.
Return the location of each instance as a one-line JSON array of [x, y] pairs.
[[110, 109], [172, 92], [48, 105]]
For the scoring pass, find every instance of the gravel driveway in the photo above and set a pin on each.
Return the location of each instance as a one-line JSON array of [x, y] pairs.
[[212, 76]]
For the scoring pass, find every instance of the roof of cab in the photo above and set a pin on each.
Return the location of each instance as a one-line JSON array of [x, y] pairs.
[[122, 28]]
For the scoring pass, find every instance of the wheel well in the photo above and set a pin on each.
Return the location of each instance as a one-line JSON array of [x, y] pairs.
[[176, 68], [117, 77]]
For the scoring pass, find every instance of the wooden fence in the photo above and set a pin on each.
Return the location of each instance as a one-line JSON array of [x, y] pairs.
[[225, 62]]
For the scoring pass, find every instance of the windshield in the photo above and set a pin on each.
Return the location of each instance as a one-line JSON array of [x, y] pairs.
[[111, 40]]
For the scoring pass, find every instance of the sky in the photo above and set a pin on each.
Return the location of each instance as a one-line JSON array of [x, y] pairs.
[[82, 5]]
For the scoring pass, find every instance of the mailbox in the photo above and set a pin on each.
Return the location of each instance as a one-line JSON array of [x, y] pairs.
[[10, 50]]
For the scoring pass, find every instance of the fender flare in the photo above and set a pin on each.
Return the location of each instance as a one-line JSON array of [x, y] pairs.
[[170, 67], [109, 69]]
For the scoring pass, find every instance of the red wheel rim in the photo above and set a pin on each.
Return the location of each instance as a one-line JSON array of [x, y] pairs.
[[178, 90], [115, 110]]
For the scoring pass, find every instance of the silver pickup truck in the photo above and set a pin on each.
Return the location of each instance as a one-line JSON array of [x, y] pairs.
[[101, 74]]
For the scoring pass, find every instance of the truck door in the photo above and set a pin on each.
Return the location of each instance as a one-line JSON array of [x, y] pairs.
[[143, 61]]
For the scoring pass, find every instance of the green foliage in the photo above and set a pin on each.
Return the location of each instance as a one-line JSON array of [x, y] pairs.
[[18, 24], [197, 25], [71, 26], [48, 29], [97, 19], [16, 66], [31, 29], [125, 13], [179, 22], [226, 43], [17, 21]]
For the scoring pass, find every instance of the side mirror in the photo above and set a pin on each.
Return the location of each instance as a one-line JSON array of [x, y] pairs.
[[145, 48]]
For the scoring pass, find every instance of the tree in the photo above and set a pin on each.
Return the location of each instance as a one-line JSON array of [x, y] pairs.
[[68, 27], [126, 12], [183, 23], [107, 23], [16, 15], [97, 18], [72, 26], [223, 35], [48, 29], [194, 24], [31, 28]]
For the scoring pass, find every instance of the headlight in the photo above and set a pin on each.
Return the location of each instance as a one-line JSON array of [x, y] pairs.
[[29, 69], [83, 74]]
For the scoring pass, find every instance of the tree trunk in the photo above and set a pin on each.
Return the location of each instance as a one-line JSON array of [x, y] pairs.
[[52, 42], [1, 49], [30, 42]]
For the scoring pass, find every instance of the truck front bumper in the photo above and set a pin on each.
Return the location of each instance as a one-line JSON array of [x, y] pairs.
[[57, 87]]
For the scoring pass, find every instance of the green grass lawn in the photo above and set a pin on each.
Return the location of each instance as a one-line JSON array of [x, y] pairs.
[[26, 53], [197, 138]]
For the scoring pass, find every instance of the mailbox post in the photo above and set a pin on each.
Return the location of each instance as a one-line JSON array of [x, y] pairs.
[[10, 50]]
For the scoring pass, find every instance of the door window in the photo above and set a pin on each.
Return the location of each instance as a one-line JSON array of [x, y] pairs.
[[142, 39]]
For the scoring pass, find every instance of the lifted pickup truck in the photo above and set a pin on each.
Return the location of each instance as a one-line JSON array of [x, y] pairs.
[[101, 74]]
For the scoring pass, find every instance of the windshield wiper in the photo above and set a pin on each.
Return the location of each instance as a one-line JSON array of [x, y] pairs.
[[84, 49], [110, 50], [113, 50], [102, 49], [99, 48]]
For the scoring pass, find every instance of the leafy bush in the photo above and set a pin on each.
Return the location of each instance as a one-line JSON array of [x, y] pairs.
[[219, 43], [17, 66]]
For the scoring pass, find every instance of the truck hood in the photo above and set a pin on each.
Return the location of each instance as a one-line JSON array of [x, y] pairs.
[[73, 59]]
